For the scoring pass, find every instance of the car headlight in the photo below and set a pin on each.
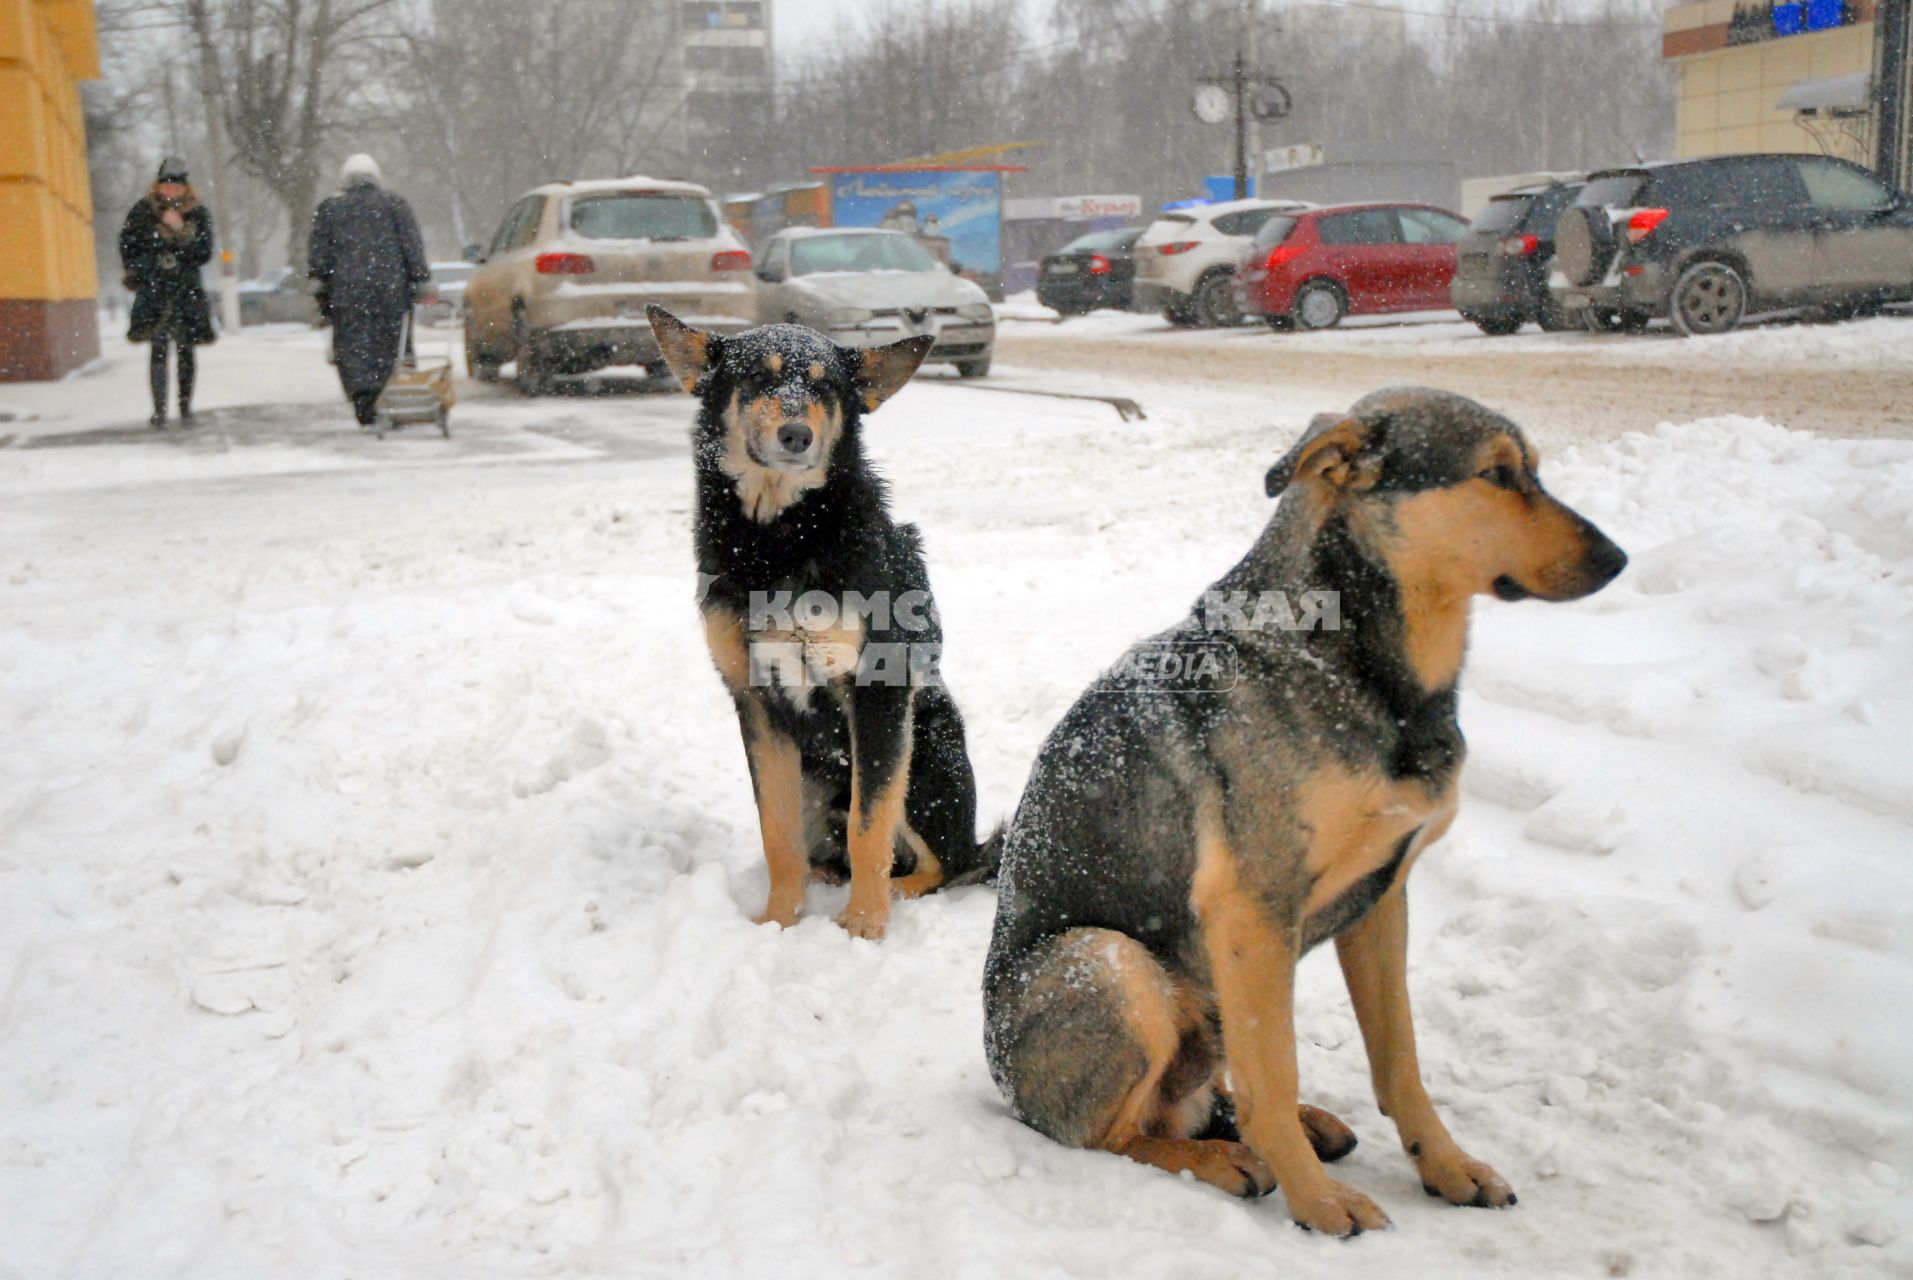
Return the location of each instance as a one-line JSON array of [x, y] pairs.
[[975, 311], [847, 317]]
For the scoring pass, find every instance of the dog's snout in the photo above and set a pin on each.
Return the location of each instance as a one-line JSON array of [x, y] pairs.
[[794, 437], [1603, 560]]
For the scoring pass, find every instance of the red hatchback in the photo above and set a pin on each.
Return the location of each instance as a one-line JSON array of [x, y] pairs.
[[1309, 269]]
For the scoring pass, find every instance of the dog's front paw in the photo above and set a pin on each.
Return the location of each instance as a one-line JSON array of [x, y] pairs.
[[1335, 1209], [782, 917], [864, 924], [1460, 1179]]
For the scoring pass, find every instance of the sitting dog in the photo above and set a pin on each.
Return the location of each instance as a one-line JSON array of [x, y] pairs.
[[1175, 854], [819, 617]]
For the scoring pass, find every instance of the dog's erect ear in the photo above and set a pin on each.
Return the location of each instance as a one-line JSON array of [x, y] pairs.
[[1332, 449], [688, 351], [881, 371]]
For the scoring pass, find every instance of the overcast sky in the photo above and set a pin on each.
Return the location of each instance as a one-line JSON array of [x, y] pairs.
[[799, 23]]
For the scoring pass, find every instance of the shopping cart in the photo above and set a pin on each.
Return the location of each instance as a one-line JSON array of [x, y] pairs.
[[420, 390]]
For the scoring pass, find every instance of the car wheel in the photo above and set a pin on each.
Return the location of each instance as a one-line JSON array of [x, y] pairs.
[[1497, 326], [1318, 306], [475, 363], [1215, 301], [1554, 318], [1709, 298], [973, 368], [532, 378]]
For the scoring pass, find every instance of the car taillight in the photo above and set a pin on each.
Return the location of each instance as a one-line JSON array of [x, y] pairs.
[[1098, 265], [565, 264], [731, 260], [1177, 246], [1641, 225], [1282, 253], [1520, 246]]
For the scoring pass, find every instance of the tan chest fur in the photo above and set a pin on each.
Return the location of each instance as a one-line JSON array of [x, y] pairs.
[[1357, 821], [826, 654]]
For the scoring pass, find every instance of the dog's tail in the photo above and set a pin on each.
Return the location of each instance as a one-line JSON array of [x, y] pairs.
[[989, 860]]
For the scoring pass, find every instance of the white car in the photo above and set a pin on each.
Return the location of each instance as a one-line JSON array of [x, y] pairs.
[[1186, 260], [863, 287]]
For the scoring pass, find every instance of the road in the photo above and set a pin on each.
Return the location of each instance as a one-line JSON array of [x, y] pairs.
[[1823, 378]]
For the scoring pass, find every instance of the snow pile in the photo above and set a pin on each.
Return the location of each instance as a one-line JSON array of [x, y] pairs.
[[376, 854]]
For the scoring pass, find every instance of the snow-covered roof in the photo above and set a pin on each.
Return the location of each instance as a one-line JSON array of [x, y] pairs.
[[805, 233], [1851, 92], [1230, 206], [636, 182]]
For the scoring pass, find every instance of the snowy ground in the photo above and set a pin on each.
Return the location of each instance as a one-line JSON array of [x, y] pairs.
[[376, 855]]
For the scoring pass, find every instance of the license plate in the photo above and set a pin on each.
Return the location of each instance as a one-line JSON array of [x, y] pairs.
[[1062, 268]]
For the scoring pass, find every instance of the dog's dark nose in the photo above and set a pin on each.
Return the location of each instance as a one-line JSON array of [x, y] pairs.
[[1604, 560], [794, 436]]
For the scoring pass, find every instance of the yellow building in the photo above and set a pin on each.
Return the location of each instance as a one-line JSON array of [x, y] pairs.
[[1745, 71], [48, 322]]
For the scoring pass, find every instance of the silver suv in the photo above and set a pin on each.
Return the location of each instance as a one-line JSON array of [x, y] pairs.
[[563, 288], [1186, 260]]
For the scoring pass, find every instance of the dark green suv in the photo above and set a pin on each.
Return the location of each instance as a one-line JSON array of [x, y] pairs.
[[1704, 242]]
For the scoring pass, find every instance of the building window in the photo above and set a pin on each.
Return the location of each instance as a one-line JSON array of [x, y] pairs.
[[720, 15]]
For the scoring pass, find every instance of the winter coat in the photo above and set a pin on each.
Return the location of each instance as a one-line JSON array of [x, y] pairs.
[[369, 261], [162, 270]]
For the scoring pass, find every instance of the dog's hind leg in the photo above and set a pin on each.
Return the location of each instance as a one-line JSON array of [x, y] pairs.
[[1328, 1135], [1096, 1050], [940, 809]]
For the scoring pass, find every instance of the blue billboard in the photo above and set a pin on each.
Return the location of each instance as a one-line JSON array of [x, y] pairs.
[[963, 206]]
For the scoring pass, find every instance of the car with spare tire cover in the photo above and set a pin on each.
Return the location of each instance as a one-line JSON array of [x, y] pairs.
[[1704, 243]]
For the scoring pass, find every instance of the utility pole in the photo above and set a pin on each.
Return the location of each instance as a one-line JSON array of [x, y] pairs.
[[1254, 141], [215, 106], [1239, 87], [1890, 66], [1245, 93]]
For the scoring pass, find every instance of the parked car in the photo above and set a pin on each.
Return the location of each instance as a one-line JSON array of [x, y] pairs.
[[863, 287], [1705, 242], [1309, 269], [278, 297], [1186, 260], [563, 287], [1501, 277], [444, 298], [1096, 270]]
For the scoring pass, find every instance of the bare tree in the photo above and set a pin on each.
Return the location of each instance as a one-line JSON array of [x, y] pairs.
[[276, 76], [489, 97]]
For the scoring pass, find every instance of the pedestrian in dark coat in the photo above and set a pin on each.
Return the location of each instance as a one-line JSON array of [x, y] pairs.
[[166, 239], [369, 261]]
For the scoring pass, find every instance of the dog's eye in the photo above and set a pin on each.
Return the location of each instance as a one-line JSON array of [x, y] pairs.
[[1501, 475]]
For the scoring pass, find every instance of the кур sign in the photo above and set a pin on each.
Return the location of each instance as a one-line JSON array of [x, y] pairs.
[[1099, 206]]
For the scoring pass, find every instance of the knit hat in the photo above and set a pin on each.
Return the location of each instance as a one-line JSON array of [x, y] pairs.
[[359, 168], [172, 169]]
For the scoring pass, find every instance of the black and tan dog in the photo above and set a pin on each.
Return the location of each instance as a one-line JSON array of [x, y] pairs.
[[1175, 854], [819, 617]]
